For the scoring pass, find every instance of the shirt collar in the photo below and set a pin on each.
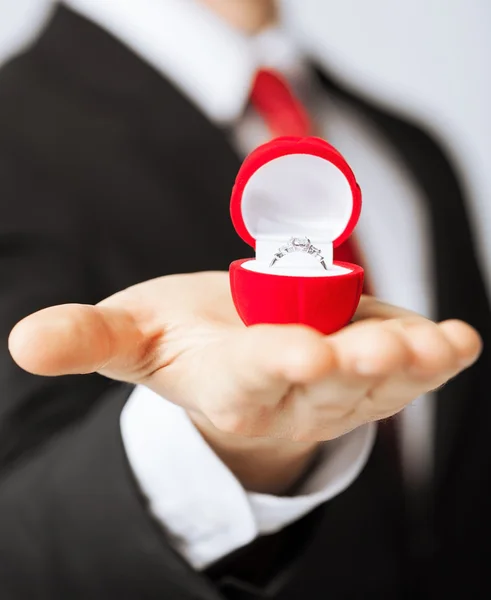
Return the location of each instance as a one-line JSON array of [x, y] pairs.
[[212, 63]]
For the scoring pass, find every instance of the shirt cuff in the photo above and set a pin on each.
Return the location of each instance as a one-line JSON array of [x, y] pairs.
[[197, 499]]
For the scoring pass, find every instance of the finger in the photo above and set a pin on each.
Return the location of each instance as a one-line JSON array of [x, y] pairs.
[[363, 355], [369, 349], [438, 354], [75, 338], [432, 353], [383, 356], [422, 356], [464, 339]]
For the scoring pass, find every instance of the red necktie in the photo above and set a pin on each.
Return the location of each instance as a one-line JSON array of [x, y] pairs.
[[284, 114]]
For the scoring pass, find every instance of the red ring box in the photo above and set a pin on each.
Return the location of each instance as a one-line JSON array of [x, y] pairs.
[[295, 187]]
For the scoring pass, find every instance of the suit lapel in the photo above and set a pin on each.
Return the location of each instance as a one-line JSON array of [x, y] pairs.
[[459, 284]]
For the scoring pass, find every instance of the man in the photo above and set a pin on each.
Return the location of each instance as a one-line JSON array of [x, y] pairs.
[[118, 129]]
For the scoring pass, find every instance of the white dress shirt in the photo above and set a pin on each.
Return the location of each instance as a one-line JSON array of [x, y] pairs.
[[196, 498]]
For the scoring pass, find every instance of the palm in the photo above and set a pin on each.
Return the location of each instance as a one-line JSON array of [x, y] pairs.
[[181, 337]]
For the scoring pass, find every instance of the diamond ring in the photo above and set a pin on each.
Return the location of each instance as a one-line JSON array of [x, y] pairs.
[[296, 244]]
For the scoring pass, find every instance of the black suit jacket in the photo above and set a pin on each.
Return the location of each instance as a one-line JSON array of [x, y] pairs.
[[108, 177]]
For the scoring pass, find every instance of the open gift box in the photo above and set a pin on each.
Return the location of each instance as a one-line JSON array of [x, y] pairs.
[[298, 195]]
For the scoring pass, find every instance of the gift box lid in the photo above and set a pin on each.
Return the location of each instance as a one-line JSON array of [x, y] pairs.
[[295, 187]]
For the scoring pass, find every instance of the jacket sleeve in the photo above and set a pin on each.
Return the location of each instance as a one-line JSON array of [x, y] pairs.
[[73, 523]]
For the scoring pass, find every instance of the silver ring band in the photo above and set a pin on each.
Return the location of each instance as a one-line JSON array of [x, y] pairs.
[[298, 245]]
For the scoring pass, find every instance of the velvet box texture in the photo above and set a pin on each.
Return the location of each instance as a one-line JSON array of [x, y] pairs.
[[295, 188]]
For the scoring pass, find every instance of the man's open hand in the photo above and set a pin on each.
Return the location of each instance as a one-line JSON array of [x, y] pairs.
[[180, 336]]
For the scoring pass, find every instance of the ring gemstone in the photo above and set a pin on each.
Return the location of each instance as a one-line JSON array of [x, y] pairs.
[[298, 244]]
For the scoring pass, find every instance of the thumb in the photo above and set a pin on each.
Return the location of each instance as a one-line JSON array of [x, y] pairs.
[[76, 338]]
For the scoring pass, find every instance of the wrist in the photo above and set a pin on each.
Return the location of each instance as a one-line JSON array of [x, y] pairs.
[[263, 465]]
